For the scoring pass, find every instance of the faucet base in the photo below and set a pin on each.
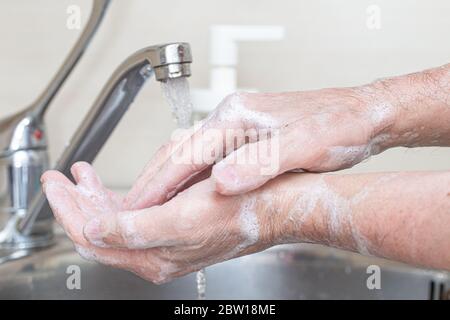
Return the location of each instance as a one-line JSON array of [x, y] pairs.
[[11, 240]]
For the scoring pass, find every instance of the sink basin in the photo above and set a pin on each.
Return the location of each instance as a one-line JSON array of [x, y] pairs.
[[285, 272]]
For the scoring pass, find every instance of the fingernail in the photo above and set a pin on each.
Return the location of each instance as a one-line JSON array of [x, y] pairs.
[[94, 232], [49, 189], [44, 187]]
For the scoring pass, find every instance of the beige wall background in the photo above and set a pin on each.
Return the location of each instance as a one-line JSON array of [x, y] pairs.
[[327, 44]]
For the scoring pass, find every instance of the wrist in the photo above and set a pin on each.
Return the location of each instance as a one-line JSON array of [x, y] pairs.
[[381, 115], [319, 209], [295, 210], [420, 105]]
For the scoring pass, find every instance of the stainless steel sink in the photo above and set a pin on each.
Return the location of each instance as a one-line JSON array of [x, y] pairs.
[[287, 272]]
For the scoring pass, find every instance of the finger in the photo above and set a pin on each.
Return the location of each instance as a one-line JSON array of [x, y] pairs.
[[150, 169], [256, 163], [53, 176], [189, 158], [131, 260], [60, 194], [84, 175], [203, 175], [153, 166], [90, 184], [147, 264], [142, 229]]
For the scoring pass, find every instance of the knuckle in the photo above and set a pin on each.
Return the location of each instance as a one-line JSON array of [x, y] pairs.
[[228, 101], [160, 279], [128, 231], [153, 276], [85, 253]]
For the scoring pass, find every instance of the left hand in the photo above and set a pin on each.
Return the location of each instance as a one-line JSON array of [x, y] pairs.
[[195, 229]]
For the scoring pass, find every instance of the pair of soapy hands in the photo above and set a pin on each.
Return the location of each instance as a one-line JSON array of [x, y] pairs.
[[181, 217]]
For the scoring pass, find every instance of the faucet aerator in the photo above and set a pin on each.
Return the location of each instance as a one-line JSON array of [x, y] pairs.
[[172, 71]]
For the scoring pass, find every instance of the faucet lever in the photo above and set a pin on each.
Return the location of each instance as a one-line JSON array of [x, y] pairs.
[[23, 143]]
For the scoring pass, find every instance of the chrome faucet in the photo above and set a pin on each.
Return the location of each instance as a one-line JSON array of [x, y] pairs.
[[28, 224], [166, 61], [23, 142]]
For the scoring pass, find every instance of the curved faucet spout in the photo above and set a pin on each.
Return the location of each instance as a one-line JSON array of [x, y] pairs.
[[165, 61]]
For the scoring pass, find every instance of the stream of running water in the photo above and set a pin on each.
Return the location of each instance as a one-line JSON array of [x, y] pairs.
[[177, 93]]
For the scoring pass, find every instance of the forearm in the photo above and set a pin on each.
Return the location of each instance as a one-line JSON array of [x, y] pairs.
[[421, 104], [400, 216]]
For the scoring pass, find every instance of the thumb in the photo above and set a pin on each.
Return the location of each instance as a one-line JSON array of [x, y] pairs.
[[254, 164]]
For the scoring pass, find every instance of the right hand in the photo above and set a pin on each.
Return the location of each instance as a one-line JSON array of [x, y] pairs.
[[317, 131]]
